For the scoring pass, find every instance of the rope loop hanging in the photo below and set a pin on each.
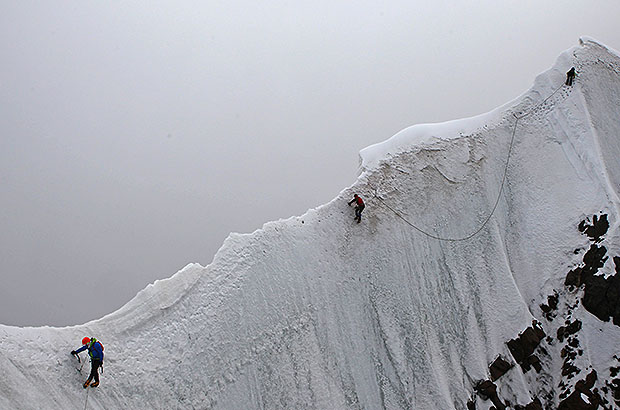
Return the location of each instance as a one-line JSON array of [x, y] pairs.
[[499, 194]]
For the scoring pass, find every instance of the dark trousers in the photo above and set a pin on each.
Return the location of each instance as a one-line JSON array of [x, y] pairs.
[[94, 370], [569, 79], [358, 212]]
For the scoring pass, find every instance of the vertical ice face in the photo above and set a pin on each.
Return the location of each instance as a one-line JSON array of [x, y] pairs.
[[317, 311]]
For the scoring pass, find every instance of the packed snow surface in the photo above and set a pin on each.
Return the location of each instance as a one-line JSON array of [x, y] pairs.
[[319, 312]]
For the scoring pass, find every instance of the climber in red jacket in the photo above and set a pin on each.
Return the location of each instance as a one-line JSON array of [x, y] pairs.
[[359, 207]]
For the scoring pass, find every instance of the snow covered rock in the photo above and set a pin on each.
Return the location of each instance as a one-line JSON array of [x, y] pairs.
[[470, 228]]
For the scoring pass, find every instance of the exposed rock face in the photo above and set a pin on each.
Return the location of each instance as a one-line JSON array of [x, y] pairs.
[[488, 390], [522, 347], [584, 397], [585, 286], [613, 384], [593, 260], [569, 329], [499, 367], [601, 295], [596, 229], [550, 307]]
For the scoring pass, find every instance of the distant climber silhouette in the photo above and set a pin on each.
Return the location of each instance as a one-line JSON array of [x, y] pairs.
[[359, 207], [570, 76]]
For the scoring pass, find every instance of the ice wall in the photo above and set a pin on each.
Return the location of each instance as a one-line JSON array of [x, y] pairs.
[[317, 311]]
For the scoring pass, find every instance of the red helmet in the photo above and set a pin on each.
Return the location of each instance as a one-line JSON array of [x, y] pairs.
[[85, 341]]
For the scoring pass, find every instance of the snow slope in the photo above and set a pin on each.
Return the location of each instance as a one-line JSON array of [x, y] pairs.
[[319, 312]]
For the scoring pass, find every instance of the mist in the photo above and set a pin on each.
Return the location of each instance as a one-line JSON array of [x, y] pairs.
[[136, 136]]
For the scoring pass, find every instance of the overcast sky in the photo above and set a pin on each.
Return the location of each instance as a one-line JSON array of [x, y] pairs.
[[136, 135]]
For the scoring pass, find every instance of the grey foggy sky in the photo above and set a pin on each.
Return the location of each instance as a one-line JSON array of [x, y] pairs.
[[136, 135]]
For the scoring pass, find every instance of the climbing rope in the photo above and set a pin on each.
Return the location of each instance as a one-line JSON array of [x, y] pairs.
[[86, 402], [501, 189]]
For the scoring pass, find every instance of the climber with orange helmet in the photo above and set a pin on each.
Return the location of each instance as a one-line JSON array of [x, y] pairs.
[[95, 351]]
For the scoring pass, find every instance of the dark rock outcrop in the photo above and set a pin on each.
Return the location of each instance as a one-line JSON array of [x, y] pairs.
[[488, 391], [550, 307], [615, 390], [593, 260], [583, 397], [597, 294], [596, 229], [601, 295], [522, 347], [570, 329], [533, 405], [499, 367]]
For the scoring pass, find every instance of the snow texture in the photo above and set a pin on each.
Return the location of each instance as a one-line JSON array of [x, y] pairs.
[[319, 312]]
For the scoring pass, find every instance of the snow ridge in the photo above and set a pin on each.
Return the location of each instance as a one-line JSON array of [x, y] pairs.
[[318, 312]]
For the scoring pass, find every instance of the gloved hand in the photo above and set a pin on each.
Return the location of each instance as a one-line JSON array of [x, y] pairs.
[[73, 352]]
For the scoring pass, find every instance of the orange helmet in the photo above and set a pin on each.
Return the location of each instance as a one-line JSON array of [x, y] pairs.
[[85, 341]]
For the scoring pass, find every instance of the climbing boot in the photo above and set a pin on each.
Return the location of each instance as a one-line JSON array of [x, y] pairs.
[[86, 383], [95, 384]]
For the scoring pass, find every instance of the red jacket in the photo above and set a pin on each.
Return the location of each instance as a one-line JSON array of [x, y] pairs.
[[358, 200]]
